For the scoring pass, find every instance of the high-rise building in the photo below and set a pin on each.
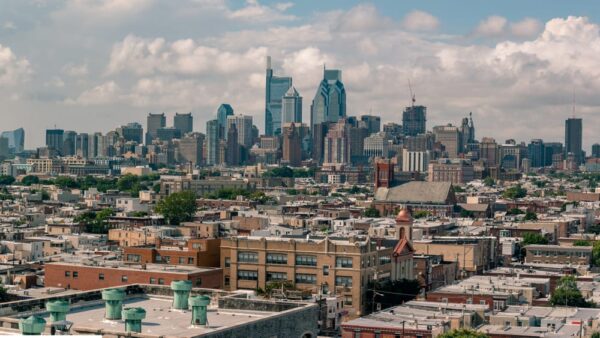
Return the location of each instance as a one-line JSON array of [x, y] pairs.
[[132, 132], [68, 147], [16, 140], [371, 122], [184, 123], [336, 148], [329, 104], [232, 156], [488, 149], [291, 110], [276, 88], [244, 129], [167, 134], [574, 138], [223, 112], [190, 149], [154, 122], [551, 149], [421, 142], [212, 142], [414, 120], [467, 133], [292, 144], [54, 139], [536, 153], [319, 132], [4, 147], [415, 161], [449, 137], [377, 145], [596, 150], [82, 145]]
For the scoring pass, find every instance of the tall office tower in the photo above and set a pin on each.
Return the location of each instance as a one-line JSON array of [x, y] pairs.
[[82, 145], [232, 155], [377, 145], [414, 119], [574, 138], [243, 125], [132, 132], [449, 137], [292, 144], [167, 134], [154, 122], [276, 88], [356, 140], [329, 104], [190, 149], [319, 132], [467, 132], [551, 149], [596, 150], [68, 147], [511, 154], [336, 148], [395, 131], [4, 147], [291, 109], [223, 112], [415, 160], [183, 122], [16, 140], [488, 149], [212, 142], [536, 153], [54, 139], [371, 122], [421, 142]]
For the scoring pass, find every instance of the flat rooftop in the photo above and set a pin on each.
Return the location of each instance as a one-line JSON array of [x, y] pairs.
[[184, 269]]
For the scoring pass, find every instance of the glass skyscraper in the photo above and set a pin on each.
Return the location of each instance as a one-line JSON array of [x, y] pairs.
[[276, 87], [16, 140], [574, 138], [329, 104], [222, 113], [291, 107], [212, 142], [414, 120]]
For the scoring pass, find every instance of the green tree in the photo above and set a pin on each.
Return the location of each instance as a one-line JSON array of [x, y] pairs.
[[127, 182], [515, 211], [30, 179], [463, 333], [466, 214], [596, 335], [421, 214], [582, 242], [533, 238], [489, 182], [530, 216], [65, 182], [372, 212], [567, 293], [596, 254], [515, 192], [6, 180], [178, 207]]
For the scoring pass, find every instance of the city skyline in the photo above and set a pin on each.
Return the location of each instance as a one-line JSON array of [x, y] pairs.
[[100, 78]]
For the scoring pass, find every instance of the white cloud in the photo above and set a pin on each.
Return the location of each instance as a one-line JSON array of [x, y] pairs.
[[526, 28], [420, 21], [13, 70], [106, 93], [491, 26], [255, 12], [76, 70], [9, 25]]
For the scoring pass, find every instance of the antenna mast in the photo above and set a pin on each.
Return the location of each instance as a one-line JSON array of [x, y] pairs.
[[573, 108], [412, 95]]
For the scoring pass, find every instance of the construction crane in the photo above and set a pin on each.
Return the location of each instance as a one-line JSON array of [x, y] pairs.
[[412, 95]]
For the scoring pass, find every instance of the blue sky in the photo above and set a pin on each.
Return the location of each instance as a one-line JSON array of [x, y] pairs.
[[92, 65]]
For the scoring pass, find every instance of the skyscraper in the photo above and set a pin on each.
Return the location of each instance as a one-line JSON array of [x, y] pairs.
[[154, 122], [292, 144], [16, 140], [596, 150], [574, 138], [336, 149], [212, 142], [68, 147], [276, 88], [371, 122], [54, 139], [132, 132], [243, 125], [82, 145], [183, 122], [223, 112], [536, 153], [4, 146], [467, 132], [449, 136], [329, 104], [414, 120], [291, 110], [190, 149], [232, 156]]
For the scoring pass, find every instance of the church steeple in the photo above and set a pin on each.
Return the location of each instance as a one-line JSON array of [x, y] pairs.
[[404, 223]]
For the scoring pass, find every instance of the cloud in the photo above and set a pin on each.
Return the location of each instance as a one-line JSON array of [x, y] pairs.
[[76, 70], [526, 28], [108, 92], [255, 12], [420, 21], [13, 70], [491, 26]]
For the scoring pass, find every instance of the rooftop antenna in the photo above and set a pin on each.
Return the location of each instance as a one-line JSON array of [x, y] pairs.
[[573, 108], [412, 95]]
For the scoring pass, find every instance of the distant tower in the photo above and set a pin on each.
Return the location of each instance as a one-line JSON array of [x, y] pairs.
[[414, 119], [329, 104], [212, 142], [184, 123], [404, 224], [154, 122], [223, 112], [574, 138], [276, 88], [291, 107]]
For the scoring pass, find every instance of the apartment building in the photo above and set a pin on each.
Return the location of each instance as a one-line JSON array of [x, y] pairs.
[[193, 252], [556, 254]]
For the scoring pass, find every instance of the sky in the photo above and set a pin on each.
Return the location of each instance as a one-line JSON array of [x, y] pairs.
[[521, 67]]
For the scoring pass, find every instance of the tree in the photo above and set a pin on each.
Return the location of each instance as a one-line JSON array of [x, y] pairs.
[[372, 212], [489, 182], [515, 192], [178, 207], [463, 333], [596, 254], [421, 214], [582, 242], [6, 180], [515, 211], [394, 292], [530, 216], [127, 182], [567, 293], [30, 179], [466, 214], [533, 238]]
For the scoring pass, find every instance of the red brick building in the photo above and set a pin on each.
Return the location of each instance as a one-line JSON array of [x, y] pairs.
[[203, 252], [88, 277]]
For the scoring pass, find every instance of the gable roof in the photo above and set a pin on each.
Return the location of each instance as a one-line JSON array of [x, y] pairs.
[[416, 192], [403, 248]]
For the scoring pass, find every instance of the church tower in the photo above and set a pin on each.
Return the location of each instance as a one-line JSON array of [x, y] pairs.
[[404, 223]]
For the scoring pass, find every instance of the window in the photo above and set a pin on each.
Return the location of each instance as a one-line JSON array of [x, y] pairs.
[[227, 262], [75, 274], [306, 279], [385, 259], [198, 281], [190, 260], [247, 257], [343, 262], [247, 275], [348, 300], [197, 246], [100, 276], [124, 278], [152, 280], [181, 260], [67, 273], [227, 281], [469, 300], [306, 260], [357, 334], [343, 281], [325, 270], [167, 259], [276, 276], [158, 258], [133, 258], [482, 302], [276, 258], [161, 281]]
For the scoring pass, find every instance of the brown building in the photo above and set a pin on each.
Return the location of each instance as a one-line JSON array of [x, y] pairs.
[[202, 252], [456, 171], [224, 204], [292, 144], [433, 272], [88, 277], [556, 254]]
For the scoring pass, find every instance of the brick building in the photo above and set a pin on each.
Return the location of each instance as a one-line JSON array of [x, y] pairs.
[[556, 254], [201, 252]]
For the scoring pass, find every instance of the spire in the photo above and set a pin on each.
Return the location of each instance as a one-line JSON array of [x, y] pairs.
[[268, 62]]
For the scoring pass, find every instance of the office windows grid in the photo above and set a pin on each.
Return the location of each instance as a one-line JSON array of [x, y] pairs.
[[247, 275], [276, 258], [306, 260], [247, 257], [276, 276], [344, 262], [343, 281], [306, 279]]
